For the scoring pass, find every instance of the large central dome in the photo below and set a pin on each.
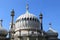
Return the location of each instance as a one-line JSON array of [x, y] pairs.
[[27, 21]]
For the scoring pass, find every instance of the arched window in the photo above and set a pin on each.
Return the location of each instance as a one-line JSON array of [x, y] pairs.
[[24, 18], [27, 18], [33, 19], [30, 18], [37, 20]]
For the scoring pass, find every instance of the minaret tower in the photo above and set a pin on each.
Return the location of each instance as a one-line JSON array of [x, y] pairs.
[[12, 15], [41, 17], [12, 26]]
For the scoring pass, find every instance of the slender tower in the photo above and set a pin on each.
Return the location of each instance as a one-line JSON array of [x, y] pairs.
[[41, 17], [12, 27], [12, 15]]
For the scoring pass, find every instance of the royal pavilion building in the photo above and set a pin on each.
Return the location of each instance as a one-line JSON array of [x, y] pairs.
[[27, 27]]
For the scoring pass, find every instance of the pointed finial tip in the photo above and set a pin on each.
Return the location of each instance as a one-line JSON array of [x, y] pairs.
[[27, 6], [49, 23]]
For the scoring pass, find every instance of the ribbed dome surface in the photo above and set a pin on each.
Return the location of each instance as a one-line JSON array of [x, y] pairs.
[[3, 31], [52, 32], [27, 15], [27, 21]]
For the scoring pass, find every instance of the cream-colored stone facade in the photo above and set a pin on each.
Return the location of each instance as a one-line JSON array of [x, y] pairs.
[[28, 27]]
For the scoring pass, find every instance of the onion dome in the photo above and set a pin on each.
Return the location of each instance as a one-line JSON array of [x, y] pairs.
[[3, 32], [27, 20], [52, 32]]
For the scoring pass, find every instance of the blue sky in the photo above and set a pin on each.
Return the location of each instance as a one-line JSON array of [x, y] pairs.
[[49, 8]]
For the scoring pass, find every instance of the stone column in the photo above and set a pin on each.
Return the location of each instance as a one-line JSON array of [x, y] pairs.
[[27, 38]]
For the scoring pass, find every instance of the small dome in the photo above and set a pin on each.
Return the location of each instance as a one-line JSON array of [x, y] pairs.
[[52, 32], [3, 32]]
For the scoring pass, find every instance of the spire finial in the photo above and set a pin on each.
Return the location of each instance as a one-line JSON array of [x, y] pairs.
[[1, 23], [27, 7], [50, 26]]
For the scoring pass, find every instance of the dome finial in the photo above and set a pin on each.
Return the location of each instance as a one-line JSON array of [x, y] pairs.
[[50, 26], [27, 7], [1, 23]]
